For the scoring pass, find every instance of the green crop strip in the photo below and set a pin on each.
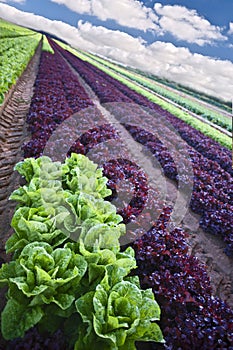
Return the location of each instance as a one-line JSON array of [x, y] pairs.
[[46, 46], [8, 30], [15, 55]]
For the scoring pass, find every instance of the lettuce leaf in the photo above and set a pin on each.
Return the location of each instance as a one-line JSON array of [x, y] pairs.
[[16, 319], [82, 176], [37, 224], [43, 168]]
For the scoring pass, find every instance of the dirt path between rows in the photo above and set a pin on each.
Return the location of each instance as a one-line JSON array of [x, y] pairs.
[[13, 133], [207, 248]]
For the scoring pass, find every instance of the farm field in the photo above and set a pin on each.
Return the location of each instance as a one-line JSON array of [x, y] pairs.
[[83, 248]]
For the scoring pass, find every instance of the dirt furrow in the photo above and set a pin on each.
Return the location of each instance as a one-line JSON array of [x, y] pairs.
[[12, 135]]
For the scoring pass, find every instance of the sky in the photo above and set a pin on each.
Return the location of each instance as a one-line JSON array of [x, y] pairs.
[[190, 42]]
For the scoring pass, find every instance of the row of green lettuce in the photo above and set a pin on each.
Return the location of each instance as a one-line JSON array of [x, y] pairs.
[[10, 30], [46, 46], [15, 55], [67, 270], [193, 106], [206, 129]]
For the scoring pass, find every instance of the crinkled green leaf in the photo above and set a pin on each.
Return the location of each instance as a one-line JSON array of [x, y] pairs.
[[64, 301], [62, 259], [21, 284], [16, 319], [82, 175], [27, 168], [129, 291], [102, 235], [42, 167], [35, 224], [151, 332], [85, 307], [150, 308], [20, 195], [7, 271]]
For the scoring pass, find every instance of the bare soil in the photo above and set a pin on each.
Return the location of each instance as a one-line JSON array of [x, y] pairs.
[[13, 133]]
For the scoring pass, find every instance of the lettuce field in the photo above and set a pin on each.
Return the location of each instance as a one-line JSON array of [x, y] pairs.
[[116, 205]]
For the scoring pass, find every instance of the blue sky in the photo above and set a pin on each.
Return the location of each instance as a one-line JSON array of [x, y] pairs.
[[189, 42]]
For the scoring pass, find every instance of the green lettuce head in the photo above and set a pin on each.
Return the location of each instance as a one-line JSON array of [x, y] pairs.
[[115, 317], [39, 277]]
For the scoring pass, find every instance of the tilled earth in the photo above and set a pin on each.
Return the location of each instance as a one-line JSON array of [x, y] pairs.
[[13, 134]]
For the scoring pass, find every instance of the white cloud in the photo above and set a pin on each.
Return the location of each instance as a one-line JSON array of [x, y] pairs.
[[79, 6], [34, 21], [182, 23], [231, 28], [15, 1], [197, 71], [187, 25], [103, 38], [128, 13], [163, 59]]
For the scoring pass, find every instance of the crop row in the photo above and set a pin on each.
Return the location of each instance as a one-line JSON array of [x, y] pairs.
[[191, 317], [212, 196], [192, 106], [46, 47], [10, 30], [67, 258], [51, 70], [55, 99], [15, 56], [205, 129], [215, 101]]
